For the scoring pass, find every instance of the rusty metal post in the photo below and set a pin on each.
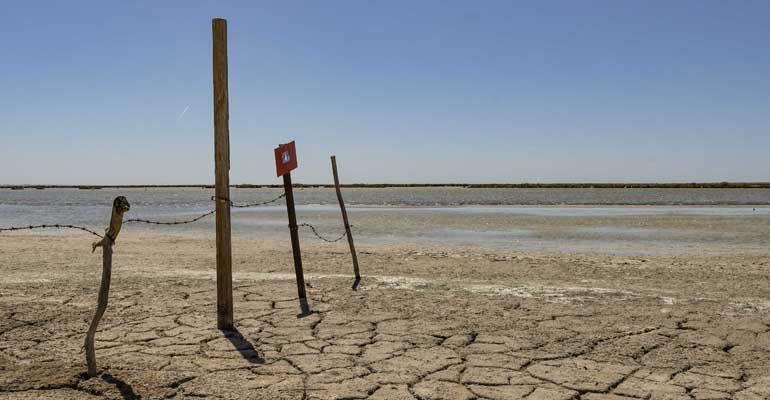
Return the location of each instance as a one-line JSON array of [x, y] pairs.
[[303, 304]]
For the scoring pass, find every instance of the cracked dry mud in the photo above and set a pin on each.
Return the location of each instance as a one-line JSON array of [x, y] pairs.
[[429, 324]]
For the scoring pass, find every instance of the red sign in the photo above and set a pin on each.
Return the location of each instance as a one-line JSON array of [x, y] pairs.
[[285, 158]]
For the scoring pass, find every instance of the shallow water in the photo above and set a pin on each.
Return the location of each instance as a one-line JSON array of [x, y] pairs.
[[677, 220]]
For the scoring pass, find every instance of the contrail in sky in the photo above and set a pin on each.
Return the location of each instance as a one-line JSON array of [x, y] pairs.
[[183, 112]]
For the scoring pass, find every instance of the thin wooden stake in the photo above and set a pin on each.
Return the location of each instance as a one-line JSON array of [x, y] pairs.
[[222, 176], [347, 225], [119, 206]]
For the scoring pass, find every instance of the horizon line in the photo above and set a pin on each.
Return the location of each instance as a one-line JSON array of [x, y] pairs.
[[583, 185]]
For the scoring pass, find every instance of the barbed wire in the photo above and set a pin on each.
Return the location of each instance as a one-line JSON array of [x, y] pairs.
[[315, 232], [247, 205], [47, 226], [206, 214], [180, 222], [147, 221], [133, 220]]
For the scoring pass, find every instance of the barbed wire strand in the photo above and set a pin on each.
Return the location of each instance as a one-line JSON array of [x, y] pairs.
[[47, 226], [315, 232], [181, 222], [147, 221], [198, 218], [247, 205]]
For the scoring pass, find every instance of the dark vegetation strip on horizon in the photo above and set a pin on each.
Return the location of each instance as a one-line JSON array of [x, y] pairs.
[[693, 185]]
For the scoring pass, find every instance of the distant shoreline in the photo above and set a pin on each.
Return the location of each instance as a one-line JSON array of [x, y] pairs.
[[693, 185]]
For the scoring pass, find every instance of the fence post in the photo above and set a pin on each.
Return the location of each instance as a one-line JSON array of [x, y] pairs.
[[347, 225], [222, 176], [119, 206], [303, 305]]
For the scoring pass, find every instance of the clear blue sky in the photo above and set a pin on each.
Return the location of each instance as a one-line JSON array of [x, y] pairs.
[[92, 92]]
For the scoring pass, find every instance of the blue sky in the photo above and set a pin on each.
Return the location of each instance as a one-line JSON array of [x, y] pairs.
[[428, 91]]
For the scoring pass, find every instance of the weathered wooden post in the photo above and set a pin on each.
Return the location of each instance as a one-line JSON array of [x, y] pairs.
[[285, 161], [222, 176], [119, 206], [347, 225]]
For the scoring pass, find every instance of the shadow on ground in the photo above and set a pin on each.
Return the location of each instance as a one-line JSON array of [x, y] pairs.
[[243, 346]]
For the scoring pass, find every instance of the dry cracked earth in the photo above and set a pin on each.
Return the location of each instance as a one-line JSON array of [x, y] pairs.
[[385, 341]]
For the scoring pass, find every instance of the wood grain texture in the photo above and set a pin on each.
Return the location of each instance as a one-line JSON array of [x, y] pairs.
[[119, 206], [222, 176], [104, 293]]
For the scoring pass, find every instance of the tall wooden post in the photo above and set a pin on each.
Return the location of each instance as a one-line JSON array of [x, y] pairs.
[[222, 176], [347, 225], [303, 305]]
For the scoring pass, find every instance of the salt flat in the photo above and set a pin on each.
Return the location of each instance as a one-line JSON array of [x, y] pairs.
[[427, 323]]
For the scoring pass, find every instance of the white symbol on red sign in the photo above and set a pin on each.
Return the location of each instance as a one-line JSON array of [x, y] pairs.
[[285, 158]]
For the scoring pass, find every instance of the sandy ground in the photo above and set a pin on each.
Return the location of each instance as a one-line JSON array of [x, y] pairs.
[[427, 323]]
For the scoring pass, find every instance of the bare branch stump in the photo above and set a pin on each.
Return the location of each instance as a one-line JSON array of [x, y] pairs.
[[119, 206]]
